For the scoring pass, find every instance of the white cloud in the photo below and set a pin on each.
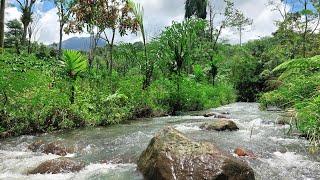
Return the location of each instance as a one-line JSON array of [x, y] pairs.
[[161, 13], [263, 19], [12, 13]]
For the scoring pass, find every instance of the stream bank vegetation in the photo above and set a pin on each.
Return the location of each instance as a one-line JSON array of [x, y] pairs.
[[187, 67]]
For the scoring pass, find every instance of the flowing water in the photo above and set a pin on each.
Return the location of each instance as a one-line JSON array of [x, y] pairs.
[[111, 153]]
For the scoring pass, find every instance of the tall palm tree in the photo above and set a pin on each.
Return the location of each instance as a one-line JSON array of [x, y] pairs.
[[137, 10], [196, 8], [2, 10], [26, 7]]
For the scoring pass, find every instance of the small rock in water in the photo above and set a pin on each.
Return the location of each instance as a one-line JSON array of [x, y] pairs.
[[171, 155], [220, 125], [57, 166], [6, 134], [210, 114], [221, 116], [242, 152], [36, 146], [216, 115], [57, 148]]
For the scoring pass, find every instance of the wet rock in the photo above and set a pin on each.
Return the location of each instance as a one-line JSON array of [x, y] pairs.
[[243, 152], [210, 114], [216, 115], [221, 116], [240, 152], [57, 148], [171, 155], [36, 146], [220, 125], [57, 166], [282, 121], [6, 134]]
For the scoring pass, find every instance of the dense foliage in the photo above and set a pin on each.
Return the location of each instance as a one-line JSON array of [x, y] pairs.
[[299, 85], [187, 67], [40, 93]]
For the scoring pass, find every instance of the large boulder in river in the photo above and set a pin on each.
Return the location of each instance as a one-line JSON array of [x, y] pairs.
[[56, 147], [220, 125], [171, 155], [57, 166]]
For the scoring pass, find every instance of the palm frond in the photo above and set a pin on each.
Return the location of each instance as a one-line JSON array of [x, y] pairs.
[[74, 62]]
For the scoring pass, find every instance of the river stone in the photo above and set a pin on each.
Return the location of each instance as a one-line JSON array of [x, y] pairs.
[[210, 114], [220, 125], [171, 155], [216, 115], [57, 166], [56, 147], [240, 152], [243, 152]]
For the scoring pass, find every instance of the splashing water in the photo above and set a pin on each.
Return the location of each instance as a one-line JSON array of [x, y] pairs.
[[111, 153]]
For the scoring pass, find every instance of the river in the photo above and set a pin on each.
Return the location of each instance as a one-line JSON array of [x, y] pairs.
[[279, 156]]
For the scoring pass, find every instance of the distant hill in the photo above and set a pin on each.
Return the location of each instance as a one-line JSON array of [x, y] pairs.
[[79, 43]]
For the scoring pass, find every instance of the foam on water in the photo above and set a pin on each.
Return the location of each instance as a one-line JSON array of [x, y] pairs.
[[187, 127], [279, 156], [21, 162]]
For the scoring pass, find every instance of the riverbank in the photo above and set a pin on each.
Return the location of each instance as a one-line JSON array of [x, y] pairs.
[[35, 96]]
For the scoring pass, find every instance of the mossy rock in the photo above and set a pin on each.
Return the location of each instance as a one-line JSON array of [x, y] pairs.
[[57, 166], [56, 147], [171, 155], [220, 125]]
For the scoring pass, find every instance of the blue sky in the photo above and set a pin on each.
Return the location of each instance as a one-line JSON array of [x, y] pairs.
[[297, 6]]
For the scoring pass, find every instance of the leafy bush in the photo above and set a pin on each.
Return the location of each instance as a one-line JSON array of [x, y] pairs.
[[300, 89]]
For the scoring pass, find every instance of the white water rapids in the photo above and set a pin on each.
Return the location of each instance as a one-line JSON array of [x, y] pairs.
[[279, 156]]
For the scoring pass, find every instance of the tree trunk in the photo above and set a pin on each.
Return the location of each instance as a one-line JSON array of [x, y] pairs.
[[61, 30], [60, 40], [2, 14], [29, 40], [148, 70], [72, 96], [240, 35], [111, 51], [24, 34], [305, 30]]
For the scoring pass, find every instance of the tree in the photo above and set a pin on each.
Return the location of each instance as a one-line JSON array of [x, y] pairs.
[[138, 12], [177, 44], [227, 17], [33, 28], [13, 35], [196, 8], [2, 14], [240, 22], [26, 7], [301, 20], [63, 13], [98, 17], [74, 63]]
